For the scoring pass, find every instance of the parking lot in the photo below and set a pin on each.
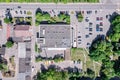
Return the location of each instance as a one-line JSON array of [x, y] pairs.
[[96, 22]]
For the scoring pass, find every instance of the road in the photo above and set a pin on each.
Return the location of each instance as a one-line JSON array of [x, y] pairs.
[[66, 7]]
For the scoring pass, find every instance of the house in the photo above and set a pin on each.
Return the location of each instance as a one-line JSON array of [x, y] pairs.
[[54, 36], [22, 33]]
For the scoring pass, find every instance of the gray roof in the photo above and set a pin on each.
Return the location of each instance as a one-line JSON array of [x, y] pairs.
[[25, 62], [17, 39], [21, 76], [21, 50], [28, 77], [2, 51], [54, 36], [24, 65]]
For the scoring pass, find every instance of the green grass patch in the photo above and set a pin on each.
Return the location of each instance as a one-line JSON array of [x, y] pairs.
[[77, 53]]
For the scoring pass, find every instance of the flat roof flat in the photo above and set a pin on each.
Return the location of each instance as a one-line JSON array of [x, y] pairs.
[[21, 50], [55, 36]]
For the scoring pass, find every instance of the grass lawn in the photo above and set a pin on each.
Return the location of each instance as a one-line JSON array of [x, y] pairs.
[[97, 68], [79, 53]]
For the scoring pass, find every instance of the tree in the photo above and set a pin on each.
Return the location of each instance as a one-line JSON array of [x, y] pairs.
[[46, 16], [3, 67], [98, 49], [62, 16], [90, 73], [117, 67], [116, 20], [9, 44], [39, 17], [52, 74], [7, 20], [107, 68], [97, 55], [80, 17], [100, 45], [116, 28], [114, 37]]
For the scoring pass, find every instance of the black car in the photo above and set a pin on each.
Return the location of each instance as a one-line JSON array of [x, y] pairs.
[[90, 29], [101, 29], [79, 36], [86, 36], [19, 6]]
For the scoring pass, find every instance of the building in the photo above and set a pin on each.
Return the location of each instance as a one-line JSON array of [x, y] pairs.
[[54, 36], [22, 33], [24, 55]]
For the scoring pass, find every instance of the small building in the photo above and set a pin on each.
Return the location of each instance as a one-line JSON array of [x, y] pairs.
[[22, 33]]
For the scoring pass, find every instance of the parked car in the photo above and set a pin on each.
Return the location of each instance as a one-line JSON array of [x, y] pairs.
[[87, 36], [101, 18], [101, 23], [90, 29], [101, 29], [19, 6], [24, 12], [79, 36]]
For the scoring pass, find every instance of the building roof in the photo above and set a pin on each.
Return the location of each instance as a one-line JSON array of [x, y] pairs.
[[21, 76], [28, 77], [17, 39], [21, 27], [22, 31], [24, 60], [54, 36], [24, 65], [21, 50], [2, 51]]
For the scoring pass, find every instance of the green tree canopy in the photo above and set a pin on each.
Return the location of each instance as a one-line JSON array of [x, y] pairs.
[[107, 68], [52, 74], [116, 20], [116, 28], [7, 20], [9, 44]]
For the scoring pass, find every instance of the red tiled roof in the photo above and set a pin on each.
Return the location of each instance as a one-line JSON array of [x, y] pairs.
[[21, 27], [22, 31]]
